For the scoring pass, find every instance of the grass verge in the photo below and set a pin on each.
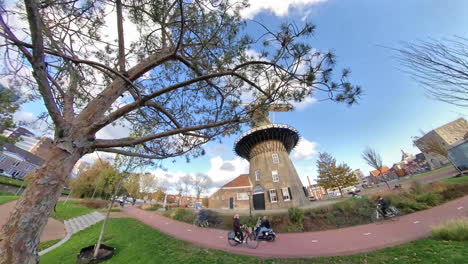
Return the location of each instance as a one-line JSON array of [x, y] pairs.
[[137, 243], [456, 230], [424, 174], [70, 209], [7, 199], [456, 180]]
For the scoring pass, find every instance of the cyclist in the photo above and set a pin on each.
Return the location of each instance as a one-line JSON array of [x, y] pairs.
[[383, 205], [236, 227]]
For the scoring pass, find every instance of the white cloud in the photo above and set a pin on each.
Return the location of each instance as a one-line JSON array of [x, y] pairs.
[[305, 150], [220, 175], [23, 116], [308, 101], [278, 7]]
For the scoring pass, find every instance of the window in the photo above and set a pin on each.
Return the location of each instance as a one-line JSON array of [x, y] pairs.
[[275, 158], [273, 196], [257, 175], [275, 176], [286, 196], [242, 196]]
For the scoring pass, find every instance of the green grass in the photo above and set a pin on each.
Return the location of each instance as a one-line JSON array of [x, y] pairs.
[[137, 243], [11, 181], [424, 174], [47, 244], [69, 210], [456, 230], [457, 180], [6, 199]]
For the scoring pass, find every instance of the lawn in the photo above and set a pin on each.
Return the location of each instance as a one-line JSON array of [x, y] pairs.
[[6, 199], [48, 244], [424, 174], [137, 243], [70, 209], [457, 180]]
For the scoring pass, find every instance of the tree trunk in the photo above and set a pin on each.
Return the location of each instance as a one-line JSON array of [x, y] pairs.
[[19, 238]]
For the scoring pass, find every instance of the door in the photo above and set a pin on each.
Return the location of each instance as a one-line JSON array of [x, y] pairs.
[[259, 201], [231, 203]]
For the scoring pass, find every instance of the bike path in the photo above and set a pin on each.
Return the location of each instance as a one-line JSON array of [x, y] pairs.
[[344, 241]]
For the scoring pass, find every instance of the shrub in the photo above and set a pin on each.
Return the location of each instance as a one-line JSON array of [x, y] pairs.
[[430, 198], [456, 230], [296, 215], [7, 194], [455, 191], [93, 203], [179, 214], [417, 188], [151, 207], [213, 217]]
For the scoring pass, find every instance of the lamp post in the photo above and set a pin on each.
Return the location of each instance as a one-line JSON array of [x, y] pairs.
[[250, 204]]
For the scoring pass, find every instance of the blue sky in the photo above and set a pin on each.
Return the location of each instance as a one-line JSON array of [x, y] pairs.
[[393, 107]]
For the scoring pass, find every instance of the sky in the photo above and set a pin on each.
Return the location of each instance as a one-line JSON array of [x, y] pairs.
[[393, 108]]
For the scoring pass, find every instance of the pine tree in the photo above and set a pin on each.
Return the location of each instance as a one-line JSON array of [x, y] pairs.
[[332, 175]]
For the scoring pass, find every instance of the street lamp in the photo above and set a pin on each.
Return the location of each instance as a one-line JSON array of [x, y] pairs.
[[250, 204]]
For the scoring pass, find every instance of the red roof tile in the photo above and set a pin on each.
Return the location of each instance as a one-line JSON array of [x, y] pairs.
[[376, 173], [241, 181]]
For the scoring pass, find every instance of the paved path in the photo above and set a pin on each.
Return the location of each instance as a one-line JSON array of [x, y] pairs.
[[53, 230], [74, 225], [344, 241]]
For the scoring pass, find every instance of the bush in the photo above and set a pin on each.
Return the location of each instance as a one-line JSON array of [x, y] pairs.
[[456, 230], [296, 215], [430, 198], [93, 203], [150, 207], [455, 191], [213, 218]]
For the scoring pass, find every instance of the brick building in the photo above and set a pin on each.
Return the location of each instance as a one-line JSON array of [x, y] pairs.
[[233, 195]]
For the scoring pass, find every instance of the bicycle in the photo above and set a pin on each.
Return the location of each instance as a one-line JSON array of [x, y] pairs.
[[379, 214], [201, 223], [249, 238]]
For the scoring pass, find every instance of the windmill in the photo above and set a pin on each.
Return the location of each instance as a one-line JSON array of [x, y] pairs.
[[267, 146]]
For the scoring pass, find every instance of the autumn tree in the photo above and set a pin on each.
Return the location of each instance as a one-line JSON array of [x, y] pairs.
[[131, 184], [148, 184], [98, 180], [373, 159], [332, 175], [175, 71]]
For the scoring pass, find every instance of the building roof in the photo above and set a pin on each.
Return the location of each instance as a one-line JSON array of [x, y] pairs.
[[241, 181], [376, 173], [26, 155]]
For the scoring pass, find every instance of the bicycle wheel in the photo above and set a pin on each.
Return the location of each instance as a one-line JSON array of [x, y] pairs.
[[252, 241], [231, 240]]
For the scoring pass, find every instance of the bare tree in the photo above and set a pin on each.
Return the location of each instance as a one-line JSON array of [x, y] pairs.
[[441, 66], [374, 160], [201, 183], [187, 186], [177, 83], [149, 183]]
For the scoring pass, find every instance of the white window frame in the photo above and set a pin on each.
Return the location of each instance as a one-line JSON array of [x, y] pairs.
[[271, 192], [257, 175], [275, 175], [275, 158], [242, 196], [287, 197]]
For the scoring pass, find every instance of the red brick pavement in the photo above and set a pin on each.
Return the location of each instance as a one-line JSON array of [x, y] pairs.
[[343, 241]]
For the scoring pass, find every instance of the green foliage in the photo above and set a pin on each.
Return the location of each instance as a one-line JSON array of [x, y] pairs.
[[93, 203], [100, 180], [8, 106], [153, 207], [456, 230], [296, 215], [7, 194], [457, 180], [66, 210], [333, 176]]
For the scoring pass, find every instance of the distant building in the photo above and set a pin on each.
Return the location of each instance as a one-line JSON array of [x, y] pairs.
[[448, 135], [459, 155], [16, 162], [316, 192], [359, 176], [233, 195], [25, 139]]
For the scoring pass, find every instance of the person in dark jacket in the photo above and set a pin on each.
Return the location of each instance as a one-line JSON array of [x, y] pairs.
[[383, 205], [236, 226], [264, 226]]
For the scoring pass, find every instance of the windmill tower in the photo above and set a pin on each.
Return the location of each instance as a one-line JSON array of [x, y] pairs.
[[266, 146]]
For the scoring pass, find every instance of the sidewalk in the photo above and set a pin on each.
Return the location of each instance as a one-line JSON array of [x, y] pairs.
[[345, 241]]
